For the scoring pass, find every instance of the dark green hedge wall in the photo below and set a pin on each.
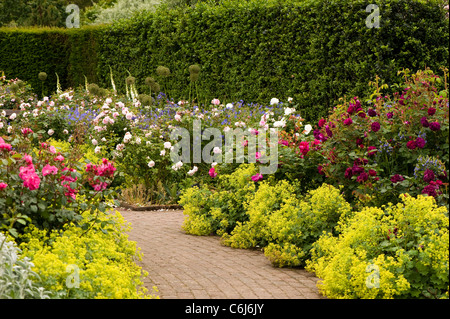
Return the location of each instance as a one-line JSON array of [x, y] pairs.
[[71, 53], [315, 50]]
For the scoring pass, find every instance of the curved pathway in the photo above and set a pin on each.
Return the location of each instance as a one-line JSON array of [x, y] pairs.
[[184, 266]]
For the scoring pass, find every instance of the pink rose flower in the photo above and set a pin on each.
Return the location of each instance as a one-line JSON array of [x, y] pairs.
[[49, 169], [258, 177], [5, 147], [212, 172], [304, 148]]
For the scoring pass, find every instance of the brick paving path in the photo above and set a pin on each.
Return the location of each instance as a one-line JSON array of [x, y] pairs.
[[184, 266]]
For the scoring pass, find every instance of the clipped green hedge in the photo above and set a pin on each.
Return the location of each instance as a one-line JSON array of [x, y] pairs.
[[71, 53], [312, 50]]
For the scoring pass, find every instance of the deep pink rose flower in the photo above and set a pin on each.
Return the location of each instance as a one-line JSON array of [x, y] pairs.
[[348, 121], [375, 127]]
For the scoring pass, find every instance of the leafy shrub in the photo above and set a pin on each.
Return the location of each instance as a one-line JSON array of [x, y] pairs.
[[219, 211], [393, 251], [99, 263], [299, 223], [285, 225], [14, 93], [256, 232], [16, 276], [385, 148], [45, 187]]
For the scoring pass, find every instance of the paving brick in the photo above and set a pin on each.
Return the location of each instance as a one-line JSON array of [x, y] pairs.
[[184, 266]]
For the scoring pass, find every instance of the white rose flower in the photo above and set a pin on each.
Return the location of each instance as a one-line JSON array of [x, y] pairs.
[[94, 142], [151, 164], [274, 101], [97, 150], [50, 132], [308, 128], [288, 110], [217, 150], [167, 145]]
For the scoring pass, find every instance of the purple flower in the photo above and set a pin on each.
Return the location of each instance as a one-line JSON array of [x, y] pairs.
[[348, 121], [431, 111], [348, 173], [428, 176], [390, 115], [372, 112], [430, 190], [362, 177], [357, 170], [435, 126], [424, 122], [420, 142], [375, 126], [329, 133], [351, 109], [397, 178]]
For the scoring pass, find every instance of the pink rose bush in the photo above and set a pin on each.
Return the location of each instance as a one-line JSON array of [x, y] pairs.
[[41, 186]]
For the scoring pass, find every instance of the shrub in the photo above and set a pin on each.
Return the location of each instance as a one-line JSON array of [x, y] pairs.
[[76, 264], [255, 232], [383, 149], [395, 251], [15, 93], [45, 187], [219, 211], [285, 224], [299, 223], [16, 276]]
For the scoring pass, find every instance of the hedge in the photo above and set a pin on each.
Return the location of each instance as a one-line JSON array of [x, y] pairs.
[[70, 53], [312, 50]]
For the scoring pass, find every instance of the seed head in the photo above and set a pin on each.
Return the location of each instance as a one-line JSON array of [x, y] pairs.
[[42, 76]]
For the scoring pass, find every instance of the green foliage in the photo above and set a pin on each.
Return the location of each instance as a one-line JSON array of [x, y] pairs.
[[313, 51], [16, 274], [384, 149], [393, 251], [15, 92], [77, 265], [70, 53], [209, 212]]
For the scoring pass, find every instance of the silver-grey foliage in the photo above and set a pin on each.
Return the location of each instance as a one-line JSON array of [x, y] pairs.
[[17, 280]]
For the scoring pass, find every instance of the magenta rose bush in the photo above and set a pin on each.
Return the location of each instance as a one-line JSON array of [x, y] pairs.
[[45, 187], [388, 145]]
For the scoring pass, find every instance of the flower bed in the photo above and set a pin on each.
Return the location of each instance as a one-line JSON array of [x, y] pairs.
[[64, 159]]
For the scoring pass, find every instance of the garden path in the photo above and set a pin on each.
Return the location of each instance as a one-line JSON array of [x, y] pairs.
[[184, 266]]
